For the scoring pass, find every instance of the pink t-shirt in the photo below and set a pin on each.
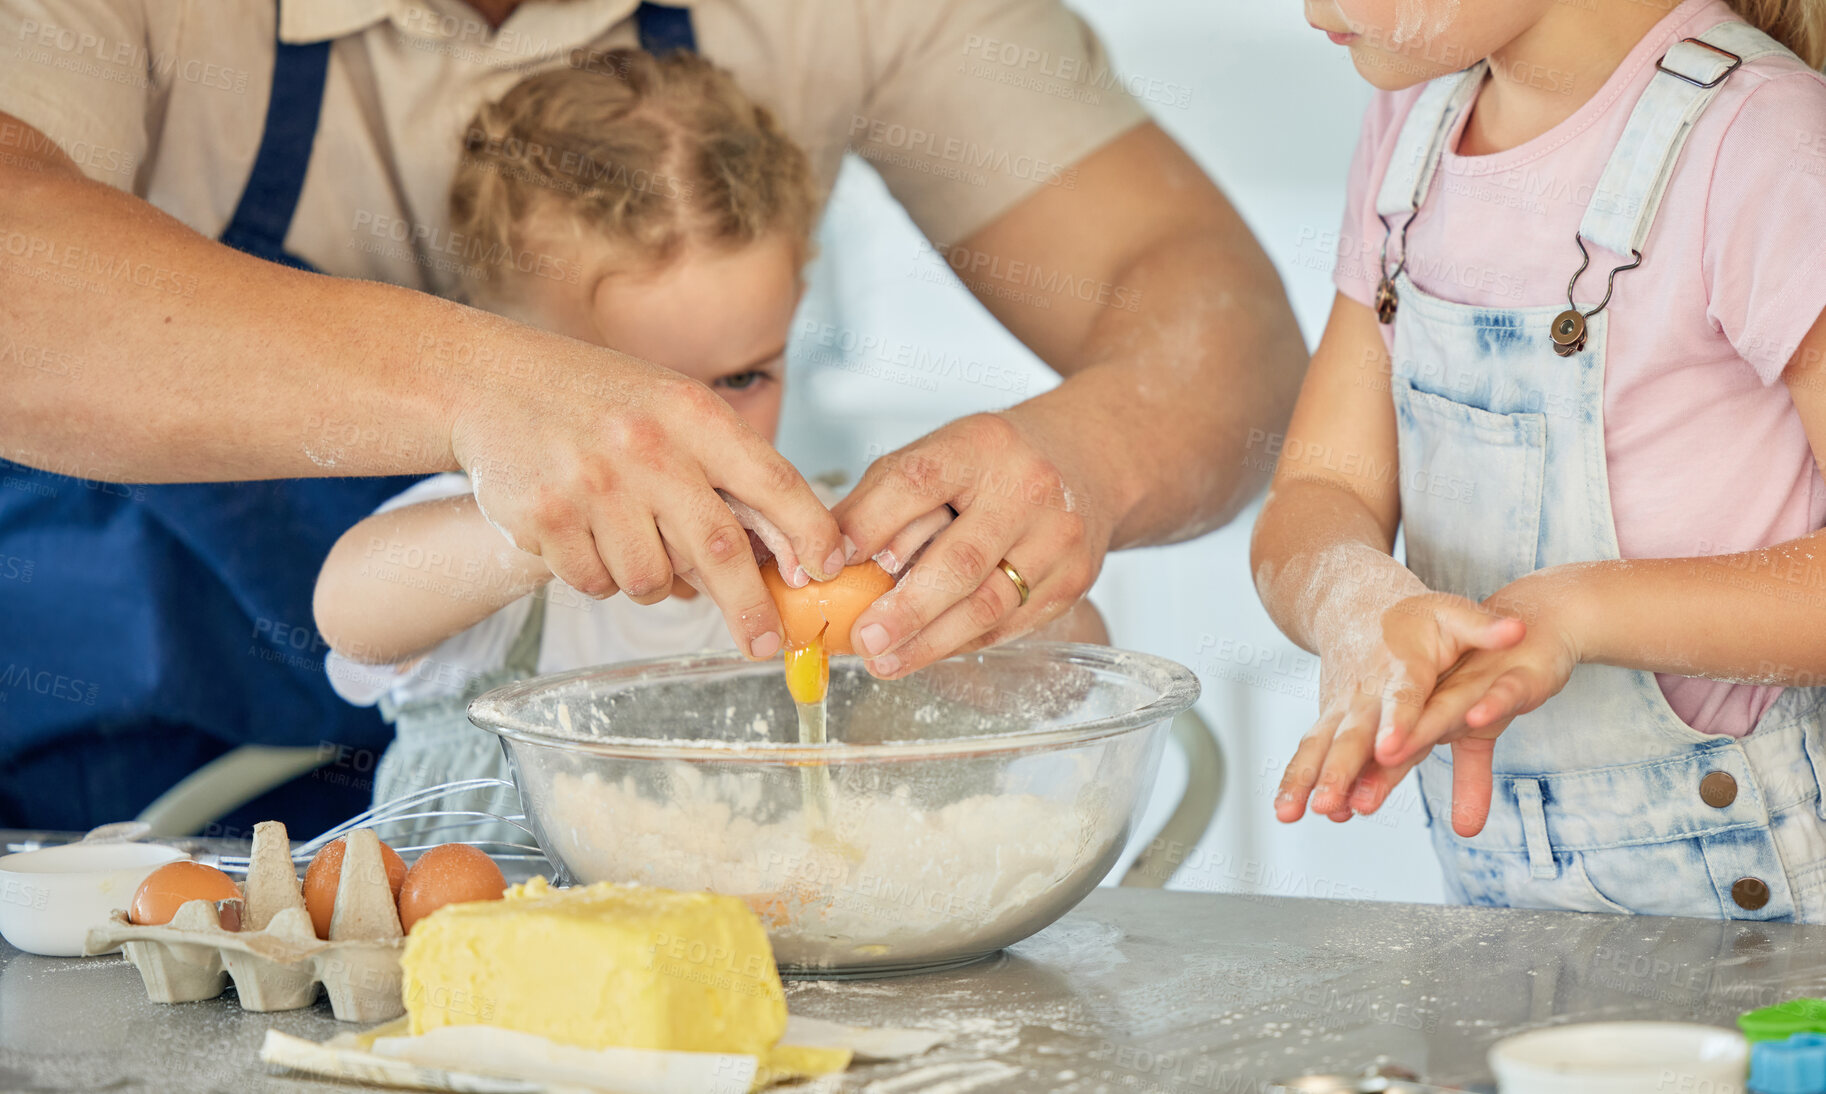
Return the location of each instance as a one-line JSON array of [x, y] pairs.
[[1706, 450]]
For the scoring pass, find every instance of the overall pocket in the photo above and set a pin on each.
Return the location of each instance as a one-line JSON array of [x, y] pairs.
[[1502, 879], [1470, 491], [1670, 879]]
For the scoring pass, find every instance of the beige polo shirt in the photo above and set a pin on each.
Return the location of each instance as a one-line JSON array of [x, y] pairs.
[[964, 106]]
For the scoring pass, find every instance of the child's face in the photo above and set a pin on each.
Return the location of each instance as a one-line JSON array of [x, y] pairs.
[[1400, 43], [720, 317]]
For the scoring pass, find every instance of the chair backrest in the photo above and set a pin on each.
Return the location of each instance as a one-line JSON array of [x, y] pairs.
[[226, 783], [1170, 847]]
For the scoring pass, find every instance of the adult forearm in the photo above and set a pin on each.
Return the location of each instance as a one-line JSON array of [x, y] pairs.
[[143, 351], [1173, 397]]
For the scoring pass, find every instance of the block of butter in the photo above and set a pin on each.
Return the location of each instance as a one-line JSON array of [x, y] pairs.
[[599, 966]]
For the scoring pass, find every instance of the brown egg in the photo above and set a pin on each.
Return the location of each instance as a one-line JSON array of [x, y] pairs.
[[325, 873], [455, 873], [167, 889], [836, 602]]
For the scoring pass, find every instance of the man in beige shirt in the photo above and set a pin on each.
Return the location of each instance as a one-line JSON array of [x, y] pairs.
[[138, 135]]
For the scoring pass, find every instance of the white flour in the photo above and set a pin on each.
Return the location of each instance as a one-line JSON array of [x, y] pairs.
[[1409, 15], [891, 879]]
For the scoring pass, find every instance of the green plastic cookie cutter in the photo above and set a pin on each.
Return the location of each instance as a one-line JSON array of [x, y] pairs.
[[1783, 1020]]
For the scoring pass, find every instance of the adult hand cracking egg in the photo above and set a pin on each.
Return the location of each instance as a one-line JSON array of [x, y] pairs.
[[1021, 552], [818, 618]]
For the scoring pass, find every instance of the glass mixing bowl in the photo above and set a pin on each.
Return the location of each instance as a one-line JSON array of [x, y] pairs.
[[949, 814]]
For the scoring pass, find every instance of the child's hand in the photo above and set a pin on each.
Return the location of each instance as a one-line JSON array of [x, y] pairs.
[[1374, 687], [1478, 699]]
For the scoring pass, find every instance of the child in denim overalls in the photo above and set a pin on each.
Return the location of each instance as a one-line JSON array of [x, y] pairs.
[[1611, 615]]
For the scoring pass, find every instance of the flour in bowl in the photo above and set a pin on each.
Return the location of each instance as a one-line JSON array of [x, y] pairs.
[[902, 874]]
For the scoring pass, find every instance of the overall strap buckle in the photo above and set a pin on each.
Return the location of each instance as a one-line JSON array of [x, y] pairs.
[[1737, 62], [1628, 195]]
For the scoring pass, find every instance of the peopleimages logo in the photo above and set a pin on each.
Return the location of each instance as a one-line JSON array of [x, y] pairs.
[[466, 249], [50, 684], [1071, 70], [578, 171], [977, 268], [98, 267], [826, 343], [114, 59], [30, 142], [955, 150]]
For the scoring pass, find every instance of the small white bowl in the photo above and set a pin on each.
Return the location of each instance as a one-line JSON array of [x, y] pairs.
[[51, 897], [1622, 1058]]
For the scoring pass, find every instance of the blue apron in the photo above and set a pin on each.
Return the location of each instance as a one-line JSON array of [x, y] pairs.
[[146, 629]]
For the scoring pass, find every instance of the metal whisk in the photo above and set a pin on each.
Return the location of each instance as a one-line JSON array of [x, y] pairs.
[[399, 811], [404, 810]]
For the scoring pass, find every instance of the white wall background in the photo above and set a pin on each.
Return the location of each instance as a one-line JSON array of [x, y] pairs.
[[1272, 116]]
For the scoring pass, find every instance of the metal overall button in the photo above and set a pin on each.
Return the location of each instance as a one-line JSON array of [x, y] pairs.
[[1388, 301], [1718, 789], [1750, 893], [1568, 333]]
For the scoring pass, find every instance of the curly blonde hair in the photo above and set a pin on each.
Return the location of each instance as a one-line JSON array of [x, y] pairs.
[[1798, 24], [649, 153]]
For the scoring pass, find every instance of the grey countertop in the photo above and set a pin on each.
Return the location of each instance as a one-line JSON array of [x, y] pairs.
[[1136, 990]]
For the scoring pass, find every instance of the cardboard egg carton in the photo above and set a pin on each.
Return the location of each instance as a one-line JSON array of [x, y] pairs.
[[264, 942]]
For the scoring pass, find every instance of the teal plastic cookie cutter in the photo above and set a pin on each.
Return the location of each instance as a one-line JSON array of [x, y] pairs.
[[1784, 1020], [1794, 1066]]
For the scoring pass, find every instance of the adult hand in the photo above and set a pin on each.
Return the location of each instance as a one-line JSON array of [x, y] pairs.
[[614, 480], [1018, 496]]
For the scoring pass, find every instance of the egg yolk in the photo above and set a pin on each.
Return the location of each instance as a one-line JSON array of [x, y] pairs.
[[808, 670], [818, 618]]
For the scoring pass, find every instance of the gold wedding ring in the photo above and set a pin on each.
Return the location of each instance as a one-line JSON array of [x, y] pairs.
[[1014, 575]]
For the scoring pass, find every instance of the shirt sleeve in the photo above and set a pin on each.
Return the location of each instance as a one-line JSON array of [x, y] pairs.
[[1764, 259], [1357, 248], [80, 73], [359, 684], [445, 484], [973, 106]]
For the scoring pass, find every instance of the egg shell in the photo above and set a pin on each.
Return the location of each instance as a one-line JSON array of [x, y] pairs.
[[324, 875], [837, 602], [454, 873], [175, 884]]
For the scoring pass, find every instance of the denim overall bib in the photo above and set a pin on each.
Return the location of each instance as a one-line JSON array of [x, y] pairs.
[[1604, 800], [433, 740]]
